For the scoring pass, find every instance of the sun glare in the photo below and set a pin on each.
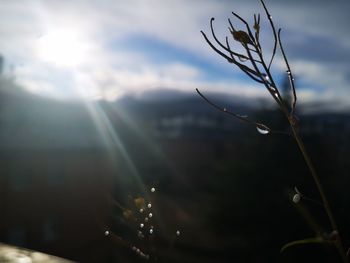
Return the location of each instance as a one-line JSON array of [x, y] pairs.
[[62, 48]]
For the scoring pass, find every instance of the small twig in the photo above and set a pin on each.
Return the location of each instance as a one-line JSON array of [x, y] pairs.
[[224, 110], [223, 46], [240, 56], [257, 31], [248, 73], [229, 59], [274, 93], [289, 72], [241, 118], [269, 17]]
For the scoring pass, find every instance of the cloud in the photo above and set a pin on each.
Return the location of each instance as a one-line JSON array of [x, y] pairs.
[[314, 33]]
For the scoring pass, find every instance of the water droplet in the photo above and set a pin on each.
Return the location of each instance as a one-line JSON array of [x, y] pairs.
[[272, 88], [138, 250], [265, 77], [292, 79], [134, 248], [151, 231], [142, 225], [149, 205], [106, 233], [270, 16], [153, 189], [276, 95], [288, 72], [178, 232], [225, 109], [262, 129], [146, 219], [141, 210], [242, 59], [296, 198], [150, 215]]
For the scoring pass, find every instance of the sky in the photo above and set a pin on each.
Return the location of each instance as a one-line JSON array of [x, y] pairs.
[[109, 48]]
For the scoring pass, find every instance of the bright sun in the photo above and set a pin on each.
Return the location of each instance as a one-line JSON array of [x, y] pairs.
[[62, 48]]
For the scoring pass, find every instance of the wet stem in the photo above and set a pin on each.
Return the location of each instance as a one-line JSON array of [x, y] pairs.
[[257, 73], [338, 241]]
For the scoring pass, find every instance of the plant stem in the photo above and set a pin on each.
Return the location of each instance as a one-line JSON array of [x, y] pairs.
[[325, 202]]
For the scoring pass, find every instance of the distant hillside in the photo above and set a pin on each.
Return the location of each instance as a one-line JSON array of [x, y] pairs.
[[31, 122]]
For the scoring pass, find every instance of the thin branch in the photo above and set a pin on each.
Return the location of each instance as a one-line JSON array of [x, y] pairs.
[[241, 118], [215, 49], [229, 59], [257, 31], [289, 72], [224, 110], [233, 29], [274, 33], [274, 93], [222, 45], [271, 87], [249, 74]]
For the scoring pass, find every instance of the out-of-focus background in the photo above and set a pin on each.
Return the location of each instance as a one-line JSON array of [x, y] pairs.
[[107, 153]]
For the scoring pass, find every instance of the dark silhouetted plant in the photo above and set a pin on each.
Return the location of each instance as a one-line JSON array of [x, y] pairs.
[[254, 64]]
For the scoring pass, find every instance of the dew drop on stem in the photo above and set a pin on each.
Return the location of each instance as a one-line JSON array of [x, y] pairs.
[[262, 129], [272, 88], [296, 198], [265, 77]]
